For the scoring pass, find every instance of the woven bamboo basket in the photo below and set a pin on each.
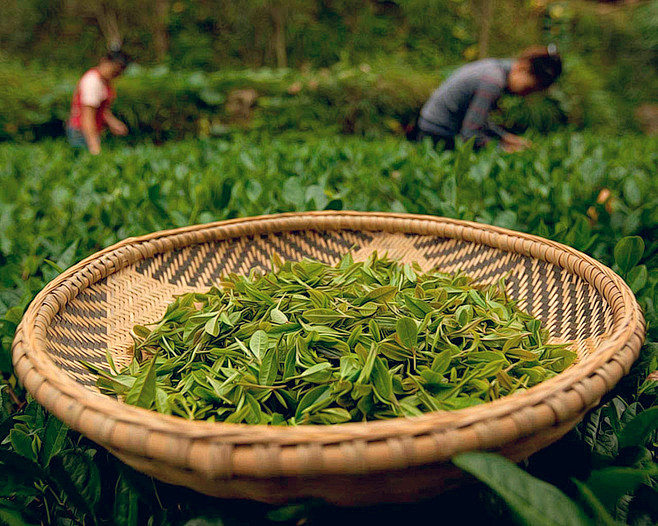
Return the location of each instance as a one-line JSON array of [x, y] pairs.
[[89, 310]]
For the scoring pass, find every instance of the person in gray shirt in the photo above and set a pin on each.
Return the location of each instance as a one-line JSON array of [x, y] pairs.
[[461, 105]]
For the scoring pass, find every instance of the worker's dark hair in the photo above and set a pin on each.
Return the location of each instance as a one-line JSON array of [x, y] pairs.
[[545, 64], [118, 56]]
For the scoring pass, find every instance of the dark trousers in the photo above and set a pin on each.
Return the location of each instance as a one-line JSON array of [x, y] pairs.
[[447, 142], [417, 134], [75, 137]]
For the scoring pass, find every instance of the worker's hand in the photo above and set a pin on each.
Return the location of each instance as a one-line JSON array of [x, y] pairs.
[[511, 147], [513, 143], [117, 127], [93, 143]]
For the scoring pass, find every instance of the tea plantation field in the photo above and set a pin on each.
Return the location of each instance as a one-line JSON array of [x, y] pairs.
[[596, 194]]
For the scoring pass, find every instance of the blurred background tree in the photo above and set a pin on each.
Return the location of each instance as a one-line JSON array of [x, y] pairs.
[[213, 34]]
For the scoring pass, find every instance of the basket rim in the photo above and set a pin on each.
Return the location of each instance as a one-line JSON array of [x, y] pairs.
[[75, 405]]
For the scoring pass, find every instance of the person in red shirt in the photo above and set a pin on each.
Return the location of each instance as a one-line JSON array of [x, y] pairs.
[[90, 108]]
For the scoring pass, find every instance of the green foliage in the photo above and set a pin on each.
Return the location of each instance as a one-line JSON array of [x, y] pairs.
[[35, 103], [628, 252], [584, 98], [610, 494], [533, 501], [327, 344], [57, 207], [235, 34]]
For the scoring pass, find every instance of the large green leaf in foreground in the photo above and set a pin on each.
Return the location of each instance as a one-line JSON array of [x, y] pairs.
[[533, 501]]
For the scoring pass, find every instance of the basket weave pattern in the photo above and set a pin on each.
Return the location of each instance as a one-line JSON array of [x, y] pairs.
[[89, 310]]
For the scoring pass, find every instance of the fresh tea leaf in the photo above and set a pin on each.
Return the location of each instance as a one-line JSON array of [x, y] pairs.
[[142, 393], [638, 430], [628, 252], [53, 439], [407, 332], [258, 343]]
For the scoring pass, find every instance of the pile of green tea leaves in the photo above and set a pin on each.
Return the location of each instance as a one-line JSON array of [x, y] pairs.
[[310, 343]]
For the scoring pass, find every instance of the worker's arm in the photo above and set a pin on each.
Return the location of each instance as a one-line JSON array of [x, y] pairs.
[[477, 124], [90, 130], [476, 120], [115, 125]]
